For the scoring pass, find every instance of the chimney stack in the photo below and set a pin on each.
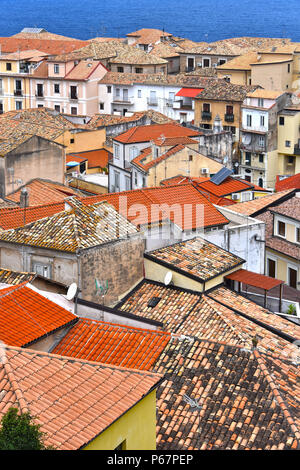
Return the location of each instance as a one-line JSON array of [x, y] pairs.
[[24, 198]]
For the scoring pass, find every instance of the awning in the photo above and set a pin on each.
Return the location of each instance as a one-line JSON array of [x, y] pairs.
[[70, 164], [189, 92], [253, 279]]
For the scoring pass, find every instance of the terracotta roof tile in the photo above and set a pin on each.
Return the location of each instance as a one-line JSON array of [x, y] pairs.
[[288, 183], [189, 80], [196, 258], [74, 400], [109, 343], [152, 132], [251, 208], [176, 197], [78, 228], [18, 217], [7, 276], [245, 399], [221, 90], [228, 186], [49, 46], [148, 35], [26, 316]]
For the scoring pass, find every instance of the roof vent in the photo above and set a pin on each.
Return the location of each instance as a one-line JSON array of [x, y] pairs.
[[153, 302]]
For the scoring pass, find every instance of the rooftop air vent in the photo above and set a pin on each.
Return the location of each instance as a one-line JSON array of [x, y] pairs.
[[153, 302]]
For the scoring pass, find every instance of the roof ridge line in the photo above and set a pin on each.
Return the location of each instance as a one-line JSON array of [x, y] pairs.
[[281, 402]]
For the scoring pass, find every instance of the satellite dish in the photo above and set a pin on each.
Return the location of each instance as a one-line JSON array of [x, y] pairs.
[[72, 291], [246, 139], [168, 278]]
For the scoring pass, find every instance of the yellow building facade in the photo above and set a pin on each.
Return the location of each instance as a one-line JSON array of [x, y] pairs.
[[289, 141], [135, 430]]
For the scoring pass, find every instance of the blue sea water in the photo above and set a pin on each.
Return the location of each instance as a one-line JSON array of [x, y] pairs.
[[199, 20]]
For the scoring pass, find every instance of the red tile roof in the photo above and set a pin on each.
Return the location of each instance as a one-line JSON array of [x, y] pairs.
[[254, 279], [43, 191], [96, 158], [228, 186], [189, 92], [26, 316], [17, 216], [50, 46], [288, 183], [73, 400], [113, 344], [154, 131], [177, 198]]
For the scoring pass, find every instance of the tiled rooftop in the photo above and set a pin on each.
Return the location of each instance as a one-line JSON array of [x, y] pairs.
[[109, 343], [80, 227], [191, 80], [246, 399], [43, 192], [289, 208], [196, 258], [175, 196], [222, 90], [73, 400], [104, 120], [26, 316], [206, 316], [49, 46], [251, 208], [148, 35], [154, 131], [17, 217], [288, 183], [228, 186], [7, 276], [95, 158], [83, 70]]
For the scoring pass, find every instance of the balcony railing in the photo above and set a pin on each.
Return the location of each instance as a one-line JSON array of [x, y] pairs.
[[229, 117], [152, 101], [123, 100], [18, 92], [206, 116]]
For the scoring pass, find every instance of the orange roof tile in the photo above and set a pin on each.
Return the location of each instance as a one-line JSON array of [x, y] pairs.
[[154, 131], [228, 186], [73, 400], [50, 46], [288, 183], [177, 197], [109, 343], [17, 216], [253, 207], [43, 191], [26, 316], [96, 158]]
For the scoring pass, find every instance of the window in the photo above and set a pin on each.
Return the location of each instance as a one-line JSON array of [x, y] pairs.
[[233, 130], [260, 158], [281, 228], [139, 93], [144, 182], [262, 121], [206, 107], [206, 62], [73, 110], [101, 105], [56, 68], [260, 102], [297, 234], [116, 151], [261, 141], [72, 140], [281, 120], [18, 105], [40, 90], [222, 61], [248, 158], [118, 92], [108, 89], [1, 108], [120, 69], [40, 106], [289, 68], [56, 88], [271, 267], [292, 277], [42, 269], [57, 108], [138, 70], [8, 66], [287, 143], [190, 158], [127, 183], [73, 92], [260, 182], [249, 120], [117, 181], [135, 178], [229, 109]]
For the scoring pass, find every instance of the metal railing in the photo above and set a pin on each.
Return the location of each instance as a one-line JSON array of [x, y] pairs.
[[206, 116]]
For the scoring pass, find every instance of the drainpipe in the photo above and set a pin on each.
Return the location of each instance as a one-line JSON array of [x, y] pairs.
[[78, 280]]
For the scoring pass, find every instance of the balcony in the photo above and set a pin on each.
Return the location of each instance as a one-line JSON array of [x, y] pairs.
[[128, 100], [18, 92], [229, 117], [206, 116], [152, 101], [297, 150]]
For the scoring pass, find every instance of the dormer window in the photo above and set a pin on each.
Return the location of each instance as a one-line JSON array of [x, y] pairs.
[[56, 68]]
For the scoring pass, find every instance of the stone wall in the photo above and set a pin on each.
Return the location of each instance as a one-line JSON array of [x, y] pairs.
[[117, 267]]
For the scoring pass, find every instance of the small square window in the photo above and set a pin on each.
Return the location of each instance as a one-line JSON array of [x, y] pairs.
[[56, 68], [73, 110], [287, 143], [101, 105], [56, 88], [261, 158], [120, 69], [57, 108], [72, 141], [109, 89], [281, 120], [8, 66]]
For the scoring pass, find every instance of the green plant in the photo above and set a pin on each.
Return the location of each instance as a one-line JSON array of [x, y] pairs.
[[19, 432], [291, 309]]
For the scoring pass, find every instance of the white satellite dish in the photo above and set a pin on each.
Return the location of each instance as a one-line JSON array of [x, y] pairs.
[[246, 139], [168, 278], [72, 291]]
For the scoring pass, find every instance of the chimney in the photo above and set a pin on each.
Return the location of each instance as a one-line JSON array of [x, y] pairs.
[[24, 198]]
